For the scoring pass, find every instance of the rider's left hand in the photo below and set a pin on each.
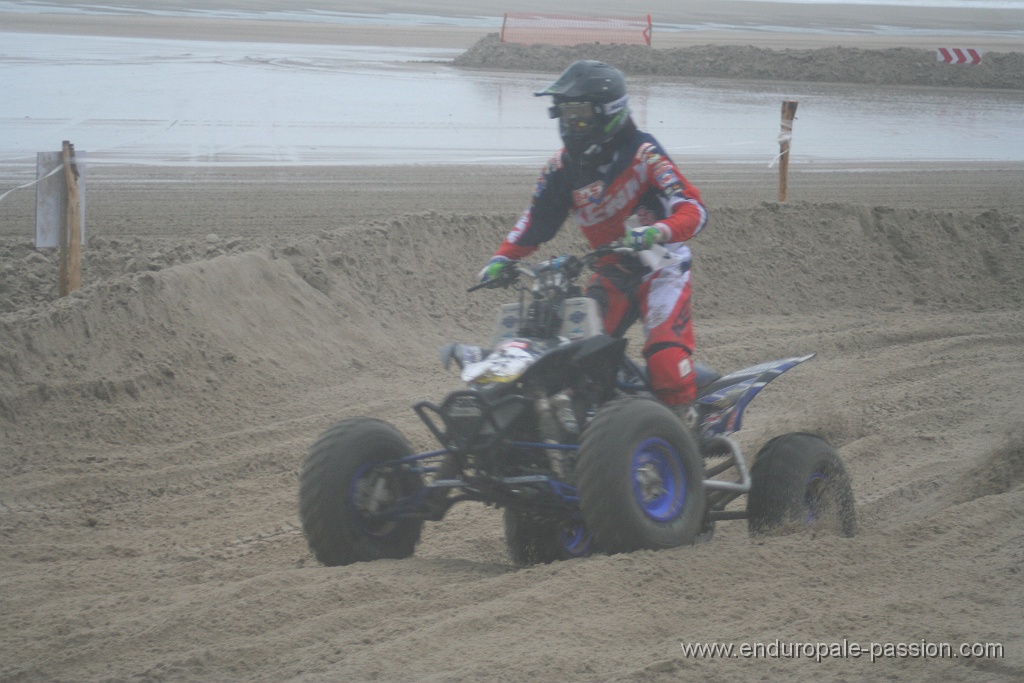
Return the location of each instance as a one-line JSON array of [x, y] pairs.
[[645, 236]]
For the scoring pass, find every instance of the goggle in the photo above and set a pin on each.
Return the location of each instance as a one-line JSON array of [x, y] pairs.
[[574, 114]]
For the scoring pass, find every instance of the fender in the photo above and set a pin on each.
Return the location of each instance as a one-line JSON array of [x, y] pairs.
[[597, 357], [721, 403]]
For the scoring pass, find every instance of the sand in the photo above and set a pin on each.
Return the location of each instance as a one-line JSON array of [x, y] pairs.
[[153, 423]]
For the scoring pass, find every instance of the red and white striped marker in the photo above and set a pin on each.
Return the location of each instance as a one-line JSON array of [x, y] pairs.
[[959, 55]]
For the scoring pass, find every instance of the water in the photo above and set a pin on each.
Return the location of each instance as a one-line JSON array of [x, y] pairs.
[[194, 103]]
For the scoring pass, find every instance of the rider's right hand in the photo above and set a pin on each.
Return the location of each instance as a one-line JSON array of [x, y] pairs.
[[645, 236], [493, 270]]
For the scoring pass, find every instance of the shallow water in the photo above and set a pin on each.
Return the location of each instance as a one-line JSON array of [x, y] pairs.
[[192, 103]]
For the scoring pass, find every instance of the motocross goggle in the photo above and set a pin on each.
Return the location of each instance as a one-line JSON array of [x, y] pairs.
[[575, 116], [581, 115]]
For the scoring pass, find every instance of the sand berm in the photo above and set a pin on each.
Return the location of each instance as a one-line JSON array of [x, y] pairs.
[[892, 66]]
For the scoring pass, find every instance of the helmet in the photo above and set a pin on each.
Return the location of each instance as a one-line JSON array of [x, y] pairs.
[[591, 104]]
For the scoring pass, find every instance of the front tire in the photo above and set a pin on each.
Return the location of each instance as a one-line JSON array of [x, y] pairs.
[[350, 472], [640, 478], [799, 482]]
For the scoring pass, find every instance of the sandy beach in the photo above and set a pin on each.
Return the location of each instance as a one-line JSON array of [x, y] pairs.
[[152, 425]]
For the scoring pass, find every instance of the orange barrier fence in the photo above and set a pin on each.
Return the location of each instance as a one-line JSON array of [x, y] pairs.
[[562, 29]]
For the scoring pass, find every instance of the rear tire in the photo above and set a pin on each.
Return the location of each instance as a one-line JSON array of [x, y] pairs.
[[347, 471], [536, 539], [640, 478], [799, 482]]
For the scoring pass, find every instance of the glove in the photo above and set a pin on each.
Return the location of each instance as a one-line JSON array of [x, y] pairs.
[[492, 271], [645, 236]]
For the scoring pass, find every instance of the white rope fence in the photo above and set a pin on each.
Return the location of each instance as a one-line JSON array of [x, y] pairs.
[[30, 184]]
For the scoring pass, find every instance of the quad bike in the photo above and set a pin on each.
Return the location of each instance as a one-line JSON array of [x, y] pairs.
[[560, 428]]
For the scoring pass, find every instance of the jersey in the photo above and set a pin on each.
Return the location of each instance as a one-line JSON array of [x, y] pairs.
[[640, 179]]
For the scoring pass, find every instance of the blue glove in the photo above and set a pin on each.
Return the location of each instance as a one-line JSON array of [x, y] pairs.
[[493, 269], [645, 236]]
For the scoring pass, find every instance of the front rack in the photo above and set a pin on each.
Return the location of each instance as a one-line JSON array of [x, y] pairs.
[[471, 421]]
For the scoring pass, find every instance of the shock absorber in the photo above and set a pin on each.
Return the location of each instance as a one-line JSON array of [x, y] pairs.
[[557, 425]]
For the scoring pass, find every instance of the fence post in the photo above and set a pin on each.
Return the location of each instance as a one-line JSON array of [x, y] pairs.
[[70, 275], [785, 136]]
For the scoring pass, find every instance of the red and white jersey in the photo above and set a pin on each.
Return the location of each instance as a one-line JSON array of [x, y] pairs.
[[639, 180]]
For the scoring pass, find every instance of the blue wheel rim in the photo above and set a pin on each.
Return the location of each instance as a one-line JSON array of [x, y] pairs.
[[574, 538], [817, 484], [659, 480]]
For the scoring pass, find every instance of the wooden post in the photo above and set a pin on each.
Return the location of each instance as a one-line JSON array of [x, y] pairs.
[[785, 136], [70, 276]]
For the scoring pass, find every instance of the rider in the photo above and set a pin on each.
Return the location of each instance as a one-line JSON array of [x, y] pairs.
[[618, 183]]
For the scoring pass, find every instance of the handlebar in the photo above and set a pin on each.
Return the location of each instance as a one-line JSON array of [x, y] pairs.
[[571, 265]]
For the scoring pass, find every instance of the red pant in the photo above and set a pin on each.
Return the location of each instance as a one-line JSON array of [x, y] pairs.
[[662, 301]]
